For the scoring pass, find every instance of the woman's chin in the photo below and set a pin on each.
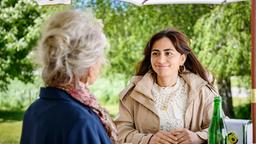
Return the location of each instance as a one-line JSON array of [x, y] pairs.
[[163, 74]]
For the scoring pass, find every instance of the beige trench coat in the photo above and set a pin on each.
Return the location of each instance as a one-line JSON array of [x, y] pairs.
[[137, 120]]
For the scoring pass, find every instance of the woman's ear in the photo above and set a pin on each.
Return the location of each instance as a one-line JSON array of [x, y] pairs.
[[86, 78], [89, 72], [89, 76], [183, 59]]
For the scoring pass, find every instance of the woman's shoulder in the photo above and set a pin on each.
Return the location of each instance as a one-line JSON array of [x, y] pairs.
[[80, 110], [135, 79], [192, 78], [128, 89], [197, 84], [194, 81]]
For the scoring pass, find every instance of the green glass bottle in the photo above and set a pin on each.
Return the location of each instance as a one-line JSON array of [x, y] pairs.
[[217, 130]]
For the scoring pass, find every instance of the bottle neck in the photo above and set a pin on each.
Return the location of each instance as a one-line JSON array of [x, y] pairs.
[[217, 109]]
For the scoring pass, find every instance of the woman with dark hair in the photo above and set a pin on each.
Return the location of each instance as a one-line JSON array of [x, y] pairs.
[[170, 100]]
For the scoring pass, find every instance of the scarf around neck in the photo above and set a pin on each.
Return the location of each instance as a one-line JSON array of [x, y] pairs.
[[83, 95]]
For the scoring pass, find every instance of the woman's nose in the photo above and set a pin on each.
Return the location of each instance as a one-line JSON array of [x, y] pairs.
[[161, 58]]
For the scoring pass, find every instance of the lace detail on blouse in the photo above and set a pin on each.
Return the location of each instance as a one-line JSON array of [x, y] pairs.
[[171, 104]]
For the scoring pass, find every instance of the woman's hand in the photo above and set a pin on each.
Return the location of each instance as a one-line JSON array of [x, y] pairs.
[[186, 136], [163, 137]]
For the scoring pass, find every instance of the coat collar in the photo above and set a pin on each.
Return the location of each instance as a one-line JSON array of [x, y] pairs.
[[195, 83], [143, 86], [53, 93]]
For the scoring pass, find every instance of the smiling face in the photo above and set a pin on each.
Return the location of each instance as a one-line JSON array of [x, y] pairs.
[[165, 59]]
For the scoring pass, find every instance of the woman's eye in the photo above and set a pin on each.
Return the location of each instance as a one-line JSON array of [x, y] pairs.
[[168, 53], [154, 53]]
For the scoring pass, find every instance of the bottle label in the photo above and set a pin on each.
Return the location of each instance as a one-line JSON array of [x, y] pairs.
[[232, 138]]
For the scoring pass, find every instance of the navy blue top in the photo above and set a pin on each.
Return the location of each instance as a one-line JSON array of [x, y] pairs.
[[57, 118]]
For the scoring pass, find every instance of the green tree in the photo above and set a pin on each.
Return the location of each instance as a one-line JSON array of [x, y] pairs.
[[222, 41], [20, 25], [19, 31]]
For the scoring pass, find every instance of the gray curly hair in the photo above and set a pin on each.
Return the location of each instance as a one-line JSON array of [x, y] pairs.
[[71, 42]]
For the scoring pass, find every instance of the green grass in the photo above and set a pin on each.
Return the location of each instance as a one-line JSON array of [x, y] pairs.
[[10, 126], [10, 132]]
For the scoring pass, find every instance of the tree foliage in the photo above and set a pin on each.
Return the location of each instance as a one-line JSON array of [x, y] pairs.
[[19, 31], [222, 40], [20, 25]]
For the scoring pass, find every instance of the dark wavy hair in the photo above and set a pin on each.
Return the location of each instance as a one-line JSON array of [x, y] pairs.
[[181, 44]]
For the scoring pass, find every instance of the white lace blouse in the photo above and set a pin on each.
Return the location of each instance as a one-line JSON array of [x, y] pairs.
[[171, 104]]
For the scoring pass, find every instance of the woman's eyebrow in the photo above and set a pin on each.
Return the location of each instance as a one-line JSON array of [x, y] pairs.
[[168, 49]]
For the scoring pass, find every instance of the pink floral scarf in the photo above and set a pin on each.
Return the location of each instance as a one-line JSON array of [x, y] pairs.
[[84, 96]]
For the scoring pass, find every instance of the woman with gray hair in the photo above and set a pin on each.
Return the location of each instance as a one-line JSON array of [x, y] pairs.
[[71, 52]]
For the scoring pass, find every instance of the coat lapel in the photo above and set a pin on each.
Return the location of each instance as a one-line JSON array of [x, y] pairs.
[[142, 92], [148, 103], [194, 83]]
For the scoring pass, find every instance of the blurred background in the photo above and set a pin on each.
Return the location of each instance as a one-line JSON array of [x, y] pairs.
[[219, 35]]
